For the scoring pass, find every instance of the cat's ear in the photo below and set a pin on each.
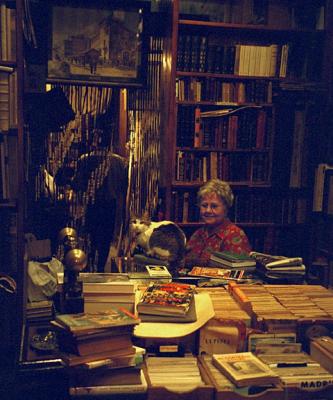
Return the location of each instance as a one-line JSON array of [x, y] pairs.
[[145, 219], [133, 219]]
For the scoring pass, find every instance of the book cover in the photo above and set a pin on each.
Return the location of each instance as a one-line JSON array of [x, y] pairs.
[[244, 369], [159, 271], [104, 319], [166, 299], [217, 273]]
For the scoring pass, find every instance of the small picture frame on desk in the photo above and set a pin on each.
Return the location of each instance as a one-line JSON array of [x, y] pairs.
[[101, 43]]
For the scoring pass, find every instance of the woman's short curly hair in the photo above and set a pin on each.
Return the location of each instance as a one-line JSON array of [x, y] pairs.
[[221, 188]]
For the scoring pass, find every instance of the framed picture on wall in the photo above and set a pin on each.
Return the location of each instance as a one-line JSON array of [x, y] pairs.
[[101, 44]]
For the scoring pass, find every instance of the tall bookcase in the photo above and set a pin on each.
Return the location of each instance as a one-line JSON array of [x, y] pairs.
[[322, 213], [245, 107], [12, 193]]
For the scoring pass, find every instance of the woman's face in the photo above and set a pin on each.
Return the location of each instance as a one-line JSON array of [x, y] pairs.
[[212, 209]]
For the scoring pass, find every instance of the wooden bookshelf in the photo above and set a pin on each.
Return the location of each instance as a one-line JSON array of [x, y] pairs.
[[199, 84], [246, 27], [12, 174]]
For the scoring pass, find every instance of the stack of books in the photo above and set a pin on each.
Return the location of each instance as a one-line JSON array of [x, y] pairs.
[[85, 338], [226, 259], [279, 267], [167, 302], [119, 382], [279, 308], [102, 291], [175, 373], [39, 311], [225, 306]]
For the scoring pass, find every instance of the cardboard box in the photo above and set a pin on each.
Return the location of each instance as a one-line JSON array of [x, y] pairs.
[[222, 336], [321, 355], [163, 393], [296, 393]]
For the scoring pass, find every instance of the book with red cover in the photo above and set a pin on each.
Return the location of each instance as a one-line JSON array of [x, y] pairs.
[[166, 299]]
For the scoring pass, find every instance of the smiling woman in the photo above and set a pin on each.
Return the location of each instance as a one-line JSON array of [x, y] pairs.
[[219, 233]]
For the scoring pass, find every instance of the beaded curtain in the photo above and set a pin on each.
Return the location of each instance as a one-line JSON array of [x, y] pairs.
[[64, 150], [144, 118], [65, 147], [144, 125]]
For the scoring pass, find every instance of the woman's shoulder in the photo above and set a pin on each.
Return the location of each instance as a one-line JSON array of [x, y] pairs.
[[230, 228], [198, 233]]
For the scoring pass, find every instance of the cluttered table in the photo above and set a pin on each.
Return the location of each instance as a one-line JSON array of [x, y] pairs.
[[227, 307]]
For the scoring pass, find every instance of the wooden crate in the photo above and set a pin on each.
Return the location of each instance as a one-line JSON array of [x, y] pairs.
[[274, 393], [163, 393]]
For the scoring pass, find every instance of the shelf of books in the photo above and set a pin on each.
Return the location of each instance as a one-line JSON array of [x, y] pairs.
[[8, 139], [11, 171], [244, 76]]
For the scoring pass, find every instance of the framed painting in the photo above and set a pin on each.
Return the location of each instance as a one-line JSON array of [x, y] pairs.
[[102, 44]]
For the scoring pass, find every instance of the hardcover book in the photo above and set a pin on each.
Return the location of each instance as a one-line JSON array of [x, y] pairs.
[[106, 319], [95, 345], [190, 316], [166, 299], [226, 258], [245, 369]]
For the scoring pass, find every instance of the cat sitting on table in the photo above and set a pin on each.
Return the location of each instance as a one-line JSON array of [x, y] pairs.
[[163, 240]]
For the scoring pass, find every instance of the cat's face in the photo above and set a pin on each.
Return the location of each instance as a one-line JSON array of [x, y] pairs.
[[138, 226]]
